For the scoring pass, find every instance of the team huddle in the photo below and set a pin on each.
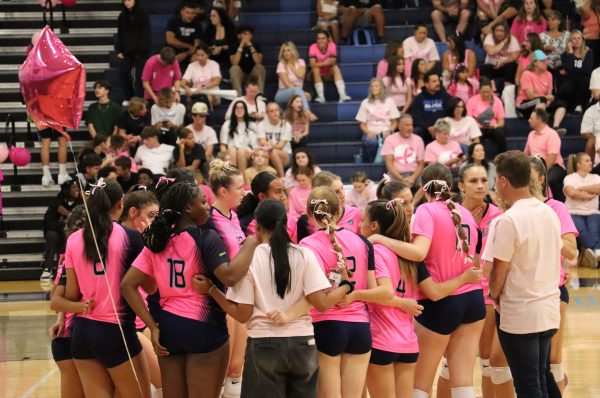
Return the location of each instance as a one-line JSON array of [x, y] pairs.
[[161, 293]]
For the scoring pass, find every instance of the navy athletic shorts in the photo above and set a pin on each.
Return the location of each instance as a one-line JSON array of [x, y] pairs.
[[338, 337], [61, 349], [181, 335], [380, 357], [446, 315]]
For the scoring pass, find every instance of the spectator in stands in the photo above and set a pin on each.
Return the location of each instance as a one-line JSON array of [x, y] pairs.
[[595, 84], [102, 116], [476, 155], [188, 154], [404, 153], [260, 163], [455, 12], [577, 64], [146, 178], [490, 12], [184, 33], [232, 7], [255, 102], [502, 51], [582, 189], [554, 41], [420, 46], [132, 122], [295, 115], [54, 225], [132, 46], [378, 118], [418, 70], [238, 136], [108, 173], [536, 91], [590, 132], [291, 71], [119, 147], [167, 116], [589, 12], [461, 85], [299, 194], [529, 19], [46, 137], [220, 37], [545, 142], [275, 134], [429, 106], [393, 48], [532, 42], [99, 146], [300, 158], [161, 71], [398, 85], [456, 55], [362, 192], [246, 60], [90, 164], [327, 18], [488, 110], [463, 128], [203, 134], [152, 154], [362, 13], [322, 57], [201, 74], [442, 150], [125, 177]]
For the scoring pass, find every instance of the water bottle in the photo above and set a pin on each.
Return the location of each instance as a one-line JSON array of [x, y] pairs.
[[358, 157]]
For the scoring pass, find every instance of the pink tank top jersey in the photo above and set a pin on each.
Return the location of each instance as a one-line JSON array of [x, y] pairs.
[[228, 229], [359, 259], [445, 261], [491, 212], [61, 279], [567, 226], [391, 328]]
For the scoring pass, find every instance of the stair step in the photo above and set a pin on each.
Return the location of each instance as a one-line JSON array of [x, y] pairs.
[[29, 32], [21, 211], [25, 234], [19, 246]]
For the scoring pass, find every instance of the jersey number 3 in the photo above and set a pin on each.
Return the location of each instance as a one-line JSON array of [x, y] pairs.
[[176, 278]]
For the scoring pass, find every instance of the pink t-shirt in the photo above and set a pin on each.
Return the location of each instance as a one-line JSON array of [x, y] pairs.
[[444, 261], [377, 114], [61, 279], [124, 244], [544, 143], [541, 84], [407, 152], [464, 91], [189, 253], [297, 200], [491, 212], [359, 259], [582, 207], [350, 219], [391, 328], [398, 90], [436, 152], [567, 226], [229, 230], [160, 76], [463, 131], [476, 106], [382, 68], [520, 29], [330, 52], [202, 75], [503, 55], [292, 78], [126, 154], [426, 50]]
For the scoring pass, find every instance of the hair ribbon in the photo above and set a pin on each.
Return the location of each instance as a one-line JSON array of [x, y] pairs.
[[443, 187], [100, 184], [164, 179]]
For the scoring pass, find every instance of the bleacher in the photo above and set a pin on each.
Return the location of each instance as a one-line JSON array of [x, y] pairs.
[[334, 139]]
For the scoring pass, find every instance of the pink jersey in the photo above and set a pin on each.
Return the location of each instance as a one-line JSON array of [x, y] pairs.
[[489, 214], [191, 252], [61, 280], [444, 261], [297, 200], [330, 52], [391, 328], [229, 230], [291, 228], [124, 245], [359, 259], [567, 226], [350, 219]]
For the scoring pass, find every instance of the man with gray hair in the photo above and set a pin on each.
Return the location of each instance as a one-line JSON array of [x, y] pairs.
[[404, 152]]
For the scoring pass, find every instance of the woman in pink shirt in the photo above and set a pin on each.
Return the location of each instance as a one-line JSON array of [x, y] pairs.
[[488, 110], [458, 54], [529, 19], [299, 194], [442, 150], [95, 268], [590, 20], [363, 190], [323, 63], [393, 48], [446, 238], [398, 84]]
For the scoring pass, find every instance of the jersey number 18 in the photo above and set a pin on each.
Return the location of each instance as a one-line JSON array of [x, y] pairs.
[[176, 278]]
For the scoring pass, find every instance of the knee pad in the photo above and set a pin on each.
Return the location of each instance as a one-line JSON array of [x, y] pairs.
[[501, 375], [486, 369], [419, 394], [463, 392], [557, 371], [444, 373]]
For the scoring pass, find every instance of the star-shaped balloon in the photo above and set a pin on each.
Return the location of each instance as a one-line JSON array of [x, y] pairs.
[[53, 84]]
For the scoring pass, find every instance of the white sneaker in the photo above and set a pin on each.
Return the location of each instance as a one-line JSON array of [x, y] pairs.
[[233, 387], [345, 98], [63, 177], [46, 275], [589, 259], [156, 392], [320, 100], [47, 180], [597, 254]]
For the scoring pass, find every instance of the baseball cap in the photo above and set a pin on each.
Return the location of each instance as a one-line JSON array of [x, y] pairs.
[[540, 55], [199, 108]]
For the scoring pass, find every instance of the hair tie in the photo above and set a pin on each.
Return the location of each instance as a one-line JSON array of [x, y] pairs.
[[443, 187], [100, 184], [141, 188], [389, 205], [386, 178], [164, 179]]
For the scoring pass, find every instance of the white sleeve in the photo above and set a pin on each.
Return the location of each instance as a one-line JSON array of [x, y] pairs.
[[224, 136]]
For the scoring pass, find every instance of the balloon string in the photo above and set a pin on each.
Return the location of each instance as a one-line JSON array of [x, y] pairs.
[[112, 299]]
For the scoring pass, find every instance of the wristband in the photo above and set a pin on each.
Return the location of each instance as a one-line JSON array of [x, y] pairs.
[[349, 284]]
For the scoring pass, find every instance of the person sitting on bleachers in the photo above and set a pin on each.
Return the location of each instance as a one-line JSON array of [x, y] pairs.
[[256, 104], [90, 164], [443, 150], [203, 134], [202, 74], [188, 154], [246, 60], [417, 73], [476, 155], [429, 106], [184, 33], [362, 192], [455, 12], [398, 85], [532, 42], [502, 51], [300, 158], [99, 146], [489, 12], [463, 128], [152, 154], [102, 116], [107, 173], [118, 148], [488, 110], [260, 163], [125, 177], [589, 11], [232, 7], [362, 13], [393, 48], [275, 134], [554, 41], [238, 136], [146, 178], [545, 142], [167, 116], [299, 194], [590, 132], [420, 46], [577, 64], [529, 19], [295, 115], [219, 37], [457, 54], [322, 57], [461, 85], [133, 120], [378, 117], [161, 71], [327, 18], [404, 153]]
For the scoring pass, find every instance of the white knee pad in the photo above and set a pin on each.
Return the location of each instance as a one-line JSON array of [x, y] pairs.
[[486, 369], [444, 373], [420, 394], [557, 371], [463, 392], [501, 375]]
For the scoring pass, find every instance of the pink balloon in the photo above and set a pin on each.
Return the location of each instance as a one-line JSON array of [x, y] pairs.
[[3, 153], [19, 156], [53, 84]]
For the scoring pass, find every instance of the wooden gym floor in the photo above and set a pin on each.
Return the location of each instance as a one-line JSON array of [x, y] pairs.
[[27, 369]]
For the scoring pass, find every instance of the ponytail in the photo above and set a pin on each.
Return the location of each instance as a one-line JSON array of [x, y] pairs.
[[260, 184], [572, 161], [388, 188]]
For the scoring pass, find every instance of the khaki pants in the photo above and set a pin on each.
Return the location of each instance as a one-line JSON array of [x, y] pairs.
[[239, 77]]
